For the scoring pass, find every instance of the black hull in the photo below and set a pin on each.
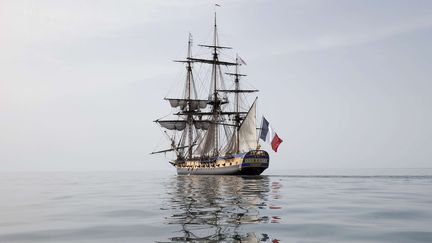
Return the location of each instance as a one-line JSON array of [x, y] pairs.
[[251, 171]]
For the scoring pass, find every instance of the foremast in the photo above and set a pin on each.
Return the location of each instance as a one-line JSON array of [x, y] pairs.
[[189, 80], [189, 106]]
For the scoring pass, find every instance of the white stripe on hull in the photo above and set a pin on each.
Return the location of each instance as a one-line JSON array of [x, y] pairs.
[[227, 170]]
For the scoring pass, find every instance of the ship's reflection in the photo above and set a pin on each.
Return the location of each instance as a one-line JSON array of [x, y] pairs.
[[216, 208]]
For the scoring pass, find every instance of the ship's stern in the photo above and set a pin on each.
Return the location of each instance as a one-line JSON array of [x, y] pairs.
[[254, 162]]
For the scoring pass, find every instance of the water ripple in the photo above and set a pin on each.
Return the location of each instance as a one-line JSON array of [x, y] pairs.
[[143, 207]]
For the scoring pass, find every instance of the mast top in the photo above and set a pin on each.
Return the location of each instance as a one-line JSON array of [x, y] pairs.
[[215, 25], [190, 45]]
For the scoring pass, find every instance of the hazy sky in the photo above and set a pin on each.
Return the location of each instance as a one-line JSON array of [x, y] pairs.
[[346, 84]]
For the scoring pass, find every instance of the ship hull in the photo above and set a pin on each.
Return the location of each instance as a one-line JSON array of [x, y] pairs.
[[253, 162]]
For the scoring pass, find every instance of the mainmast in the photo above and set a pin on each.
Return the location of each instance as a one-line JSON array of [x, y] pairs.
[[216, 103], [189, 79], [215, 93]]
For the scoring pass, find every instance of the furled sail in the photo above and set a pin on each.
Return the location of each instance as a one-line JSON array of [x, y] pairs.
[[182, 103], [203, 125], [178, 125]]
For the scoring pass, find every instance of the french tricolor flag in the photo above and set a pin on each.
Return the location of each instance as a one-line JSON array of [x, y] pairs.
[[269, 135]]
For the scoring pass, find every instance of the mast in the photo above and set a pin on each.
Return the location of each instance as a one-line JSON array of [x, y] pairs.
[[237, 108], [189, 106], [212, 140], [237, 113], [188, 90], [215, 93], [236, 91]]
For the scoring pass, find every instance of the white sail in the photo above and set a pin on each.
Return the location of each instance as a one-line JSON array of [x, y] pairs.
[[231, 146], [206, 143], [247, 131], [247, 134]]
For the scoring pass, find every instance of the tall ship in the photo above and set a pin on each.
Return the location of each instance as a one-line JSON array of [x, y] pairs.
[[214, 132]]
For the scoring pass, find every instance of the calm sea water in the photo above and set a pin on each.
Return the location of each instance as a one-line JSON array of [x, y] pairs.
[[305, 206]]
